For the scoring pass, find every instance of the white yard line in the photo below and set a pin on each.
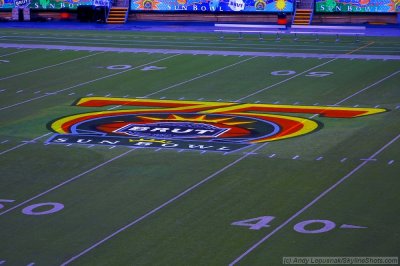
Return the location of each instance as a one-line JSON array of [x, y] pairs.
[[366, 88], [66, 182], [177, 197], [315, 200], [47, 67], [164, 89], [371, 158], [159, 207], [85, 83], [42, 96], [201, 76], [24, 143], [17, 52], [285, 80]]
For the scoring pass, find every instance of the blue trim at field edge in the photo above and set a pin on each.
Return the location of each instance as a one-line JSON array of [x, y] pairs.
[[160, 26]]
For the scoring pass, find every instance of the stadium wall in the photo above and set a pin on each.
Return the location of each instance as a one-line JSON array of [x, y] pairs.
[[354, 19], [318, 18], [243, 18], [321, 18]]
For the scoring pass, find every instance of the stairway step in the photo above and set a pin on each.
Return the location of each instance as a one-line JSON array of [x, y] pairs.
[[119, 18], [117, 15], [116, 18]]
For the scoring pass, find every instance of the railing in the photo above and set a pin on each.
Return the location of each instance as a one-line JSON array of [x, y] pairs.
[[119, 3], [305, 4]]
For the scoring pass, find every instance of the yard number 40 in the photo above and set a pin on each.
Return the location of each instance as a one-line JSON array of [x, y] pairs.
[[304, 227]]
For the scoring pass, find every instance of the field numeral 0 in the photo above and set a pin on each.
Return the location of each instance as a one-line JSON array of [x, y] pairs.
[[50, 207], [264, 221]]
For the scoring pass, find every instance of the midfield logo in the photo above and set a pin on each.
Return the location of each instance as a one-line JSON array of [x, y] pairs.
[[191, 125]]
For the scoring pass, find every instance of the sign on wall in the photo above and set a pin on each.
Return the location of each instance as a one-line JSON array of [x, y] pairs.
[[213, 5], [358, 6], [44, 4]]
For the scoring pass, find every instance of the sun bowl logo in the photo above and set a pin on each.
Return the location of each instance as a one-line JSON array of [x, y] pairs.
[[211, 126]]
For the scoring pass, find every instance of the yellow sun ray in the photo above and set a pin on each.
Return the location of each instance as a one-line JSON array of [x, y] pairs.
[[280, 4], [200, 118]]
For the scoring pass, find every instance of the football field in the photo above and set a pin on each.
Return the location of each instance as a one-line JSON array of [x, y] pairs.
[[157, 148]]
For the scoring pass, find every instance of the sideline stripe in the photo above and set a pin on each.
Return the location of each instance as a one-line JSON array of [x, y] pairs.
[[66, 182], [199, 52], [62, 63], [207, 45], [162, 205], [320, 196], [360, 48], [85, 83]]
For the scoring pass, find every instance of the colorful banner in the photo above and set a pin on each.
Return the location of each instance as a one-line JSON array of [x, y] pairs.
[[44, 4], [166, 5], [358, 6], [213, 5]]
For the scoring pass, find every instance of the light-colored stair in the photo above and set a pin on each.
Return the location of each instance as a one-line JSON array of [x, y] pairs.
[[117, 15], [303, 17]]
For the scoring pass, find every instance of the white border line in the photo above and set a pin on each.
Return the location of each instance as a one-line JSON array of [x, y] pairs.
[[199, 52]]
